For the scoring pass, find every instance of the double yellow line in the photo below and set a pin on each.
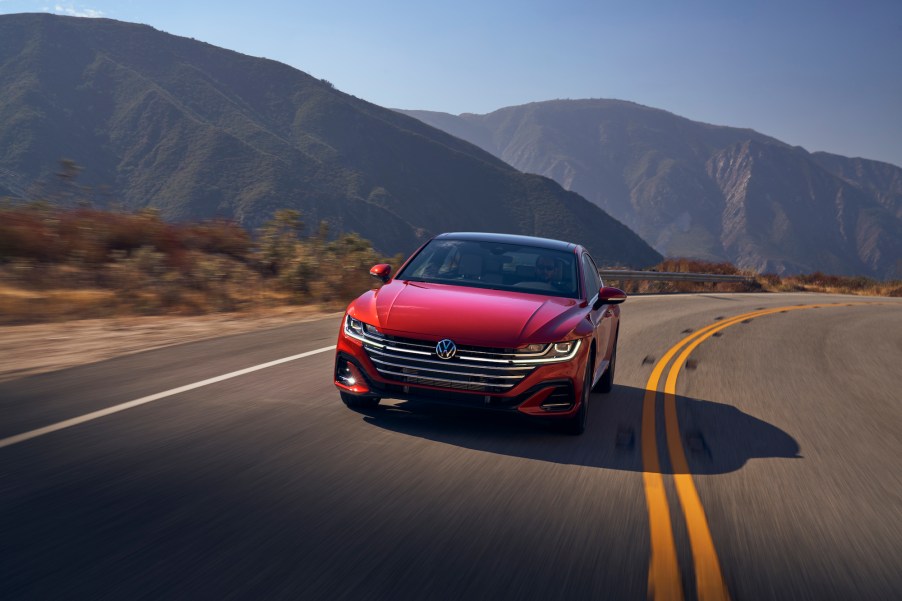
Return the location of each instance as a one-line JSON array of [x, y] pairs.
[[664, 582]]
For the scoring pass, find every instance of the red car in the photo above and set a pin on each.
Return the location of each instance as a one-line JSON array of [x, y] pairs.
[[497, 321]]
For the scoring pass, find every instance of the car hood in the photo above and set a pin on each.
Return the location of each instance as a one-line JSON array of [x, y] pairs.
[[474, 316]]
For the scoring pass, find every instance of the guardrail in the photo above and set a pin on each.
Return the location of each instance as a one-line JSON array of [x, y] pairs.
[[663, 276]]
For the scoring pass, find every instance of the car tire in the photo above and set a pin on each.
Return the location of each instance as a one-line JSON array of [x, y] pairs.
[[359, 402], [606, 382], [576, 425]]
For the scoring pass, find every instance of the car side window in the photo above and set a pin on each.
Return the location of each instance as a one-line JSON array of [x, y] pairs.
[[593, 281]]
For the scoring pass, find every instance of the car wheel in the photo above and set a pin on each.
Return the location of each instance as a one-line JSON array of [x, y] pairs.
[[577, 424], [606, 383], [359, 402]]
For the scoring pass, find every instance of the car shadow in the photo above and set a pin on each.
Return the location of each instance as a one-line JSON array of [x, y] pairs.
[[717, 438]]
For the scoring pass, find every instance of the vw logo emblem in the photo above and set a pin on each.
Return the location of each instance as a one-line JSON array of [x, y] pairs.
[[445, 349]]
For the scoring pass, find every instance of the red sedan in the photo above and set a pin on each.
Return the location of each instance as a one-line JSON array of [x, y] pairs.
[[497, 321]]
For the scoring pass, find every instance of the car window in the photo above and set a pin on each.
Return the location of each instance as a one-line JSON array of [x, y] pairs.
[[593, 280], [498, 265]]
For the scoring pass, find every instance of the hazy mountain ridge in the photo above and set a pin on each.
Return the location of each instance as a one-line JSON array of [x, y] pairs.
[[883, 180], [199, 131], [705, 191]]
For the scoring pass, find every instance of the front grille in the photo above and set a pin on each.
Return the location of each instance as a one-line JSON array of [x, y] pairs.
[[473, 368]]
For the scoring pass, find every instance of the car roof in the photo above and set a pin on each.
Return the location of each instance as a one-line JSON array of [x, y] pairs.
[[509, 239]]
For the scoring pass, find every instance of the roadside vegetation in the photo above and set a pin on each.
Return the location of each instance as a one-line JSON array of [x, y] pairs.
[[814, 282], [60, 264], [75, 263]]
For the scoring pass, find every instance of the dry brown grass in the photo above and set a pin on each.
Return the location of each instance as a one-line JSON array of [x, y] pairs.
[[831, 284], [20, 305], [815, 282], [65, 264], [58, 264]]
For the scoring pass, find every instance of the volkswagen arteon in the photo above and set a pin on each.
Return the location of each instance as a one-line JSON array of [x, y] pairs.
[[498, 321]]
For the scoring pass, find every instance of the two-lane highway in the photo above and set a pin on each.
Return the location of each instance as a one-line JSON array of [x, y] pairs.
[[264, 485]]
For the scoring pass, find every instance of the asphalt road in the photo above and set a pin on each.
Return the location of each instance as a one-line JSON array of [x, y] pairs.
[[265, 486]]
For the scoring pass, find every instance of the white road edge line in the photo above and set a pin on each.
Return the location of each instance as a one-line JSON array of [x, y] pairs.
[[5, 442]]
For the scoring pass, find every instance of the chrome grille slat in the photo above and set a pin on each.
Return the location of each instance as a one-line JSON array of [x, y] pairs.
[[416, 345], [445, 371], [402, 350], [522, 368], [477, 369], [463, 350], [460, 355]]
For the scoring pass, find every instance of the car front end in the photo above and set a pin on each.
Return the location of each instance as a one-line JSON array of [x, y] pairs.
[[496, 321], [536, 379]]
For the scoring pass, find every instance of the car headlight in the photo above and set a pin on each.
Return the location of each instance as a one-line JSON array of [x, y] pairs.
[[372, 331], [548, 353], [564, 348], [362, 331], [354, 328], [532, 349]]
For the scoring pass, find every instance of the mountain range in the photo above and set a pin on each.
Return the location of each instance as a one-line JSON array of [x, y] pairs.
[[197, 131], [703, 191]]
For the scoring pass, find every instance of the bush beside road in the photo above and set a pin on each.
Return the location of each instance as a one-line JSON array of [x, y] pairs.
[[59, 264]]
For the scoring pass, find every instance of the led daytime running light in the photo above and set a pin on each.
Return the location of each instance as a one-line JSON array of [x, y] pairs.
[[566, 356], [354, 328]]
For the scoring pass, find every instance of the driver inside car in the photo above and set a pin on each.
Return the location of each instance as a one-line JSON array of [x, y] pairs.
[[546, 270]]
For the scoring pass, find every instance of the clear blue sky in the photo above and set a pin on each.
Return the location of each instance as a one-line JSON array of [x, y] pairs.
[[825, 75]]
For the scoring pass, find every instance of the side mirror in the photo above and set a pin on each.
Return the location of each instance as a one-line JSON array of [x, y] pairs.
[[382, 271], [608, 295]]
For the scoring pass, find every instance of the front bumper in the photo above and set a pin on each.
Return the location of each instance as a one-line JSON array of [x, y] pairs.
[[550, 390]]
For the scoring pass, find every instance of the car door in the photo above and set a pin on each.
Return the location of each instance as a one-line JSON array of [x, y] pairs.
[[601, 316]]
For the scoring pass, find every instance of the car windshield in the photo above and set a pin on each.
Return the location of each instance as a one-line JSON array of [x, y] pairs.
[[495, 265]]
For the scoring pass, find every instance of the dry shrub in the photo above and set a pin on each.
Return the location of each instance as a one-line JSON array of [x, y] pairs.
[[143, 265], [76, 263], [769, 282], [819, 282], [681, 265], [218, 237], [28, 306]]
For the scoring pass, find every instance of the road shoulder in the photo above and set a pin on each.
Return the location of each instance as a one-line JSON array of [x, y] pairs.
[[27, 350]]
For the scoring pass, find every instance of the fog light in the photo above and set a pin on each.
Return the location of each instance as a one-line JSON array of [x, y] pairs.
[[344, 375], [348, 374], [559, 398]]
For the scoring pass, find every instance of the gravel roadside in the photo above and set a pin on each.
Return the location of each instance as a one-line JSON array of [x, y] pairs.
[[26, 350]]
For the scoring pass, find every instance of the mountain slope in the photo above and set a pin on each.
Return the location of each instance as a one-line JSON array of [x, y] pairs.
[[698, 190], [198, 131]]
